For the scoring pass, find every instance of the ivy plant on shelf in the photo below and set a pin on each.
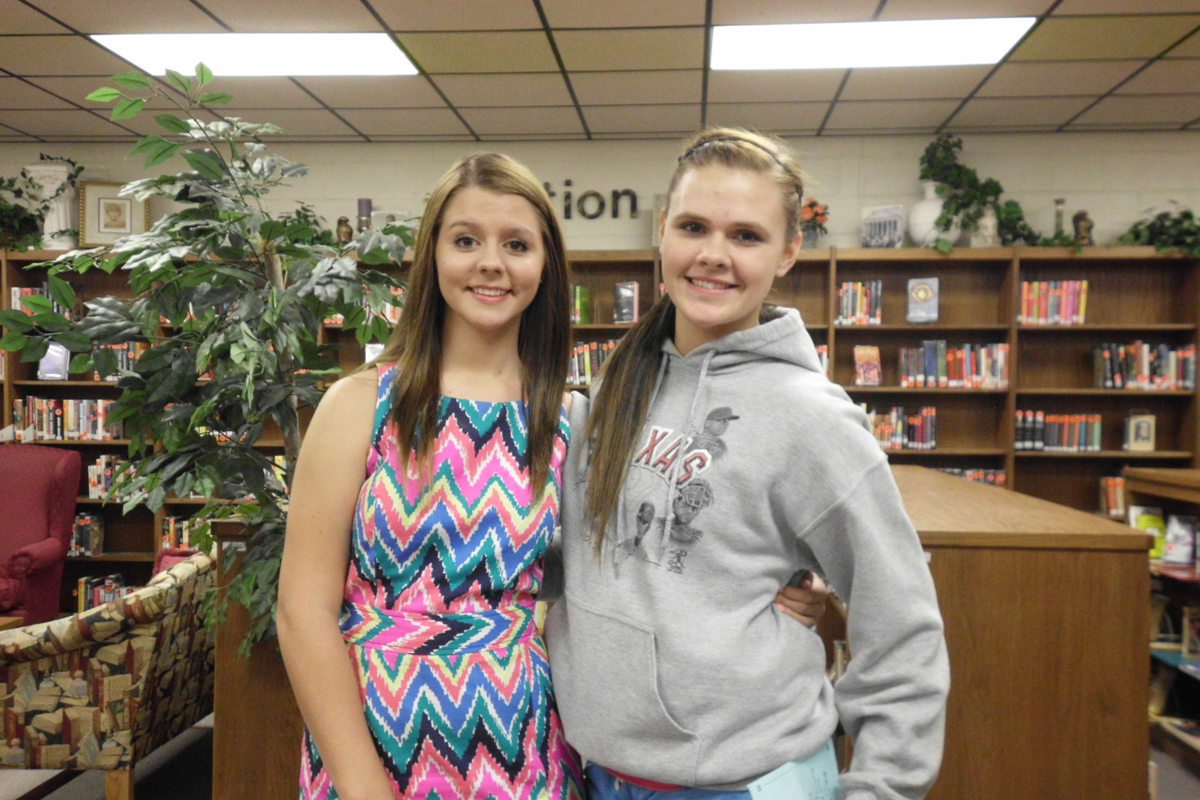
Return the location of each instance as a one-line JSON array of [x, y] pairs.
[[24, 204], [1167, 231], [226, 302], [966, 197]]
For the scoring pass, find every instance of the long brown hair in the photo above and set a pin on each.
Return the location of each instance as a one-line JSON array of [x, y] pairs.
[[622, 403], [543, 341]]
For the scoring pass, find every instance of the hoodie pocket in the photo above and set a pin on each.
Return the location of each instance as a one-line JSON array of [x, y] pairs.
[[606, 677]]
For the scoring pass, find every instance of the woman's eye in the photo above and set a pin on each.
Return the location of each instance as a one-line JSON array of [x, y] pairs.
[[691, 227], [464, 241], [518, 246], [747, 236]]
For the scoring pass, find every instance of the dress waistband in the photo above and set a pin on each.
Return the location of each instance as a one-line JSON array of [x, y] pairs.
[[436, 634]]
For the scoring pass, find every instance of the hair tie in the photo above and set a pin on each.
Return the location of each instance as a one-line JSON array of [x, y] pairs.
[[773, 157]]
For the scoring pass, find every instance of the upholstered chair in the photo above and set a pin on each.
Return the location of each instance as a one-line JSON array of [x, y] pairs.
[[103, 688], [38, 487]]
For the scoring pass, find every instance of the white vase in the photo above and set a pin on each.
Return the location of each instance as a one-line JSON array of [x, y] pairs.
[[63, 212], [922, 219]]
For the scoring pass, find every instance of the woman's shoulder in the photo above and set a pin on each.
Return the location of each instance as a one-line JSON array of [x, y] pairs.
[[352, 391]]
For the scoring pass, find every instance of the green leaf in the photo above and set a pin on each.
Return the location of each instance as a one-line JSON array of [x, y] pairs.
[[81, 363], [132, 80], [146, 142], [180, 82], [75, 341], [13, 341], [165, 151], [51, 321], [128, 108], [271, 229], [16, 321], [62, 292], [105, 94], [205, 163], [34, 349], [216, 99], [37, 303], [172, 123], [204, 75]]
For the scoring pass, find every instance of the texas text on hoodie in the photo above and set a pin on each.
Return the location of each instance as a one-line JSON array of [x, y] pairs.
[[669, 659]]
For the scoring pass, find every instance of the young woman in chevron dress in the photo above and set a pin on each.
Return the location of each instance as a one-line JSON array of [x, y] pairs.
[[426, 492]]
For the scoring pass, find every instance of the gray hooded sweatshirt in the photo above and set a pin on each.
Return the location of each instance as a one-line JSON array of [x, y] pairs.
[[669, 659]]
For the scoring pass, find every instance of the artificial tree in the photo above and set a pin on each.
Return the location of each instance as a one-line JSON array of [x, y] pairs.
[[226, 302]]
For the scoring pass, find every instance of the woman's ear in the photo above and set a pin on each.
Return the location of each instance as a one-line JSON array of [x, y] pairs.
[[789, 255]]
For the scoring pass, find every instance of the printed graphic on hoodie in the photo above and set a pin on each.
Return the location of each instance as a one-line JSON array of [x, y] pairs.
[[671, 503]]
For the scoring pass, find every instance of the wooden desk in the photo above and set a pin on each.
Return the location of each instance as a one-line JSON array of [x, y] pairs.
[[1042, 605], [11, 622]]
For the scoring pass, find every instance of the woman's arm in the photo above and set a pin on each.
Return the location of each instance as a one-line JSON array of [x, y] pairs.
[[316, 555]]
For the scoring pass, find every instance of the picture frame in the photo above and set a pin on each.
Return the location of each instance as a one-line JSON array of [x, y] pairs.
[[1140, 431], [882, 226], [105, 217]]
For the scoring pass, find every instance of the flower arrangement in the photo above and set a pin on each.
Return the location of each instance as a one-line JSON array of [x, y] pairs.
[[813, 216]]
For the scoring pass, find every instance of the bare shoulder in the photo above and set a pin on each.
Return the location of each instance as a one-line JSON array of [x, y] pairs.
[[351, 392]]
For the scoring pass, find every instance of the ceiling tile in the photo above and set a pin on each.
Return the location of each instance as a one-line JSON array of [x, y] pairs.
[[1031, 128], [377, 91], [59, 123], [303, 16], [627, 13], [1173, 76], [550, 120], [535, 137], [20, 18], [76, 90], [633, 88], [957, 9], [520, 89], [131, 16], [627, 49], [44, 55], [1076, 38], [914, 115], [297, 122], [771, 12], [773, 86], [502, 51], [1168, 108], [781, 118], [453, 15], [912, 83], [642, 119], [15, 93], [405, 121], [264, 93], [1058, 78], [1188, 48], [1068, 7], [1020, 111], [425, 137]]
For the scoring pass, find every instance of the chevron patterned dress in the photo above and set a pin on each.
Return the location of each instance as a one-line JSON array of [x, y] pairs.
[[439, 613]]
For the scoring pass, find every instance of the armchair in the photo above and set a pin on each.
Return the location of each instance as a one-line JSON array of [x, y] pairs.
[[38, 487], [103, 688]]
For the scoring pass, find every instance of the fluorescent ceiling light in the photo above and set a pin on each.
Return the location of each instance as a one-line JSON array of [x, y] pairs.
[[848, 45], [260, 54]]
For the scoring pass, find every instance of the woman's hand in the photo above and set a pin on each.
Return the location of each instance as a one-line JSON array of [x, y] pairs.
[[805, 603]]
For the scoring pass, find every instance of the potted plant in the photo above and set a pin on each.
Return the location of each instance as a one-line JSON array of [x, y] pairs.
[[1166, 231], [24, 204], [813, 216]]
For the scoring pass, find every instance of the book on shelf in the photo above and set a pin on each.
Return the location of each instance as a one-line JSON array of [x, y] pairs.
[[935, 364], [87, 535], [1112, 496], [1058, 302], [860, 303], [922, 300], [985, 475], [96, 590], [1149, 519], [1058, 433], [1190, 623], [581, 304], [899, 429], [1179, 540], [625, 301], [868, 370], [1144, 366], [1139, 431]]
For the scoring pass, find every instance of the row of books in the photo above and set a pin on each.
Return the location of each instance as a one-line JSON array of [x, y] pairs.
[[1144, 366], [991, 477], [64, 419], [1112, 496], [91, 591], [860, 303], [586, 360], [1059, 433], [968, 366], [1053, 302], [87, 535], [17, 293], [898, 429], [626, 302], [127, 355], [103, 474], [182, 531]]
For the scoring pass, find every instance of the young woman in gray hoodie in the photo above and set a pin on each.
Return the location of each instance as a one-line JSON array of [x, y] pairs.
[[717, 461]]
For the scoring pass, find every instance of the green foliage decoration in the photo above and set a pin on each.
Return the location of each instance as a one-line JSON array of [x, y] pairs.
[[23, 206], [228, 300], [1167, 231]]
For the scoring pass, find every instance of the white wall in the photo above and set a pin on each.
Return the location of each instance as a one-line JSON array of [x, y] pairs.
[[1116, 177]]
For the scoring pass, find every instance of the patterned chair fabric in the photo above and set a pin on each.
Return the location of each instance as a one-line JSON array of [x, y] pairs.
[[101, 689]]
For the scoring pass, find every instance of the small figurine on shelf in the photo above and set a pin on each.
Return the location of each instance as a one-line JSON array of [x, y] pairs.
[[364, 213], [1083, 229], [344, 230]]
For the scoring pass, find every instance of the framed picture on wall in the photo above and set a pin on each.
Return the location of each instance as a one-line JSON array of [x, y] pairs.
[[105, 216]]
